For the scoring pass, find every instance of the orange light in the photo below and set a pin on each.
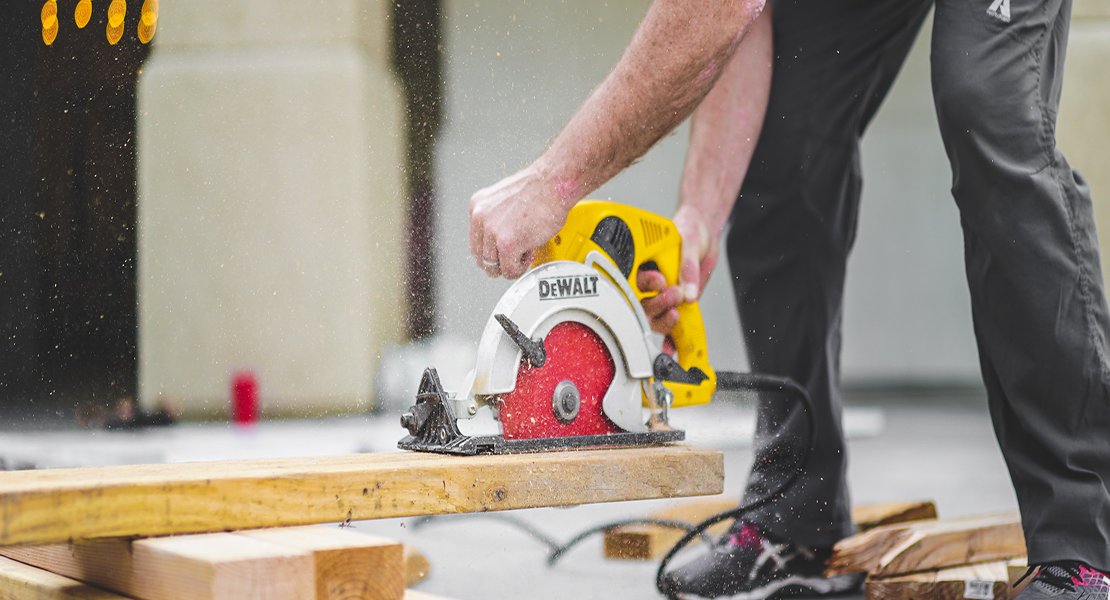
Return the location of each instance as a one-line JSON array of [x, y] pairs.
[[49, 17], [83, 13], [150, 12], [48, 35], [116, 11], [49, 14], [149, 21], [114, 34]]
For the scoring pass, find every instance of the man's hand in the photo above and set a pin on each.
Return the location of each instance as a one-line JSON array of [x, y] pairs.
[[700, 250], [699, 257], [675, 57], [513, 217], [660, 309]]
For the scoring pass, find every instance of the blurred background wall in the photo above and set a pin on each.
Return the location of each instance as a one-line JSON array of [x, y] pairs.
[[271, 211], [282, 187]]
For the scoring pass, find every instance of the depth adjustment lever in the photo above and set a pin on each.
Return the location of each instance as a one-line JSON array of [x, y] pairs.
[[533, 349]]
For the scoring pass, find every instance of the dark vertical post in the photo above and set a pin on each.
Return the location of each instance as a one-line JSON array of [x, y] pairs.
[[19, 268], [86, 192], [417, 50]]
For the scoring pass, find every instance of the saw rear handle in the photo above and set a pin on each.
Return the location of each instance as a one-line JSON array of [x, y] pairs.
[[632, 239]]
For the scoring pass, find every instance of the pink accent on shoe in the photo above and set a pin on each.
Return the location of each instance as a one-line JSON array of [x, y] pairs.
[[1092, 579], [749, 536]]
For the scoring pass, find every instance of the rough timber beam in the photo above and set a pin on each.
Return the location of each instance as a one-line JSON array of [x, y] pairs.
[[24, 582], [348, 565], [211, 566], [929, 545], [341, 565], [982, 580], [57, 505]]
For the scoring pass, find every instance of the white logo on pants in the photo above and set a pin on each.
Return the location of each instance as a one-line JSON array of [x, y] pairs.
[[1000, 9]]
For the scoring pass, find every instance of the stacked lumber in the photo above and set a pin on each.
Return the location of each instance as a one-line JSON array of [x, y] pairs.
[[93, 533], [19, 581], [650, 542], [929, 545], [976, 558], [295, 563], [983, 581]]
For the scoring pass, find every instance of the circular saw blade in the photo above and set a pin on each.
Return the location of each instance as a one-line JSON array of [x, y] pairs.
[[576, 354]]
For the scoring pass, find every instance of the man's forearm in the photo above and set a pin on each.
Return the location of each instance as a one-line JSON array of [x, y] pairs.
[[725, 128], [672, 62]]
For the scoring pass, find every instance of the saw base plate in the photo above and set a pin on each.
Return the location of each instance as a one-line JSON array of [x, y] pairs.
[[495, 444], [432, 427]]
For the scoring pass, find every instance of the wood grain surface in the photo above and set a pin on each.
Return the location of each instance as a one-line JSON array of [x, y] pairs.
[[58, 505], [929, 545]]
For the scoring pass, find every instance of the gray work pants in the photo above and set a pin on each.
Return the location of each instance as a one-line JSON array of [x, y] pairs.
[[1031, 252]]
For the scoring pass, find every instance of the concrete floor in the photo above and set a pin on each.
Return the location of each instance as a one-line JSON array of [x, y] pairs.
[[903, 446]]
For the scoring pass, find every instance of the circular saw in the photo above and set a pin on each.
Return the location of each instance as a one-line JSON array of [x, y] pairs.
[[567, 358]]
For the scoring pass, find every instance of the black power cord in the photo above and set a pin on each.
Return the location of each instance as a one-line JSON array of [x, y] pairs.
[[556, 549], [727, 380]]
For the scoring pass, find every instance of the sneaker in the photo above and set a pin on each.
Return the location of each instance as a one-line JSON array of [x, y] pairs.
[[747, 565], [1067, 580]]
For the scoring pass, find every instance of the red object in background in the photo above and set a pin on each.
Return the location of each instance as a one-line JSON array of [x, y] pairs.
[[244, 398]]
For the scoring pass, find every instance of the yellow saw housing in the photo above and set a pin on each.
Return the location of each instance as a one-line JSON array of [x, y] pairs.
[[632, 238]]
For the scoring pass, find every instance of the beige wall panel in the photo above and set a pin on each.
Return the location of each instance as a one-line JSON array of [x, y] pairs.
[[270, 221], [208, 23]]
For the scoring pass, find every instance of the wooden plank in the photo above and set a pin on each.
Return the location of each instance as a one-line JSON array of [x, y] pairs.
[[1016, 568], [24, 582], [214, 566], [649, 542], [929, 545], [57, 505], [870, 516], [19, 581], [348, 565], [984, 581], [417, 566]]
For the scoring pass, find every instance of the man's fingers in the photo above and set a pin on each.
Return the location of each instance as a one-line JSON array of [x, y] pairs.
[[707, 265], [665, 322], [650, 281], [475, 241], [489, 258], [689, 277], [662, 302], [513, 268]]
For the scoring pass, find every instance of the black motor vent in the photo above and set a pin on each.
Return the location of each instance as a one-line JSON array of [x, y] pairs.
[[614, 236]]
